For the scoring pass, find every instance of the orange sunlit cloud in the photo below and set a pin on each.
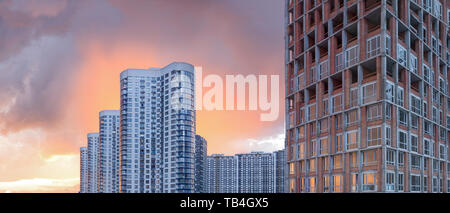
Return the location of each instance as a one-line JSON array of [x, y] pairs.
[[77, 52]]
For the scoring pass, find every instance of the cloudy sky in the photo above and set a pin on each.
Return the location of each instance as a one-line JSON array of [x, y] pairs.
[[60, 62]]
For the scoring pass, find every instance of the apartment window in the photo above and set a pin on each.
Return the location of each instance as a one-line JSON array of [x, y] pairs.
[[388, 45], [400, 96], [353, 97], [354, 160], [374, 112], [312, 165], [323, 69], [435, 117], [401, 180], [352, 140], [326, 183], [324, 146], [325, 107], [313, 148], [388, 111], [325, 164], [369, 93], [435, 184], [403, 117], [339, 121], [301, 80], [351, 56], [301, 150], [414, 143], [401, 55], [373, 46], [339, 62], [425, 112], [413, 63], [414, 121], [415, 183], [415, 161], [425, 184], [401, 158], [312, 184], [352, 117], [426, 73], [291, 168], [354, 182], [442, 133], [323, 125], [402, 140], [369, 158], [426, 147], [374, 136], [301, 132], [390, 157], [390, 92], [415, 104], [427, 127], [338, 183], [369, 181], [388, 135], [337, 103], [291, 119], [311, 112], [339, 143], [442, 151], [337, 162], [390, 181]]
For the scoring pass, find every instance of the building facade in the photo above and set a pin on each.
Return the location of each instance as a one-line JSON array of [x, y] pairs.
[[255, 172], [221, 174], [280, 171], [200, 164], [109, 143], [83, 170], [157, 108], [93, 153], [367, 106]]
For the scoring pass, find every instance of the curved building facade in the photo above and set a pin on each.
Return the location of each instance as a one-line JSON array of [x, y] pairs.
[[157, 129]]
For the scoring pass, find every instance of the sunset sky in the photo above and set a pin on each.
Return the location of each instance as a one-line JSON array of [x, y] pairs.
[[60, 62]]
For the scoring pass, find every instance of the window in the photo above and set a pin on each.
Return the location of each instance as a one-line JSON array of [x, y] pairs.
[[312, 184], [403, 117], [338, 183], [352, 117], [311, 112], [401, 55], [373, 46], [339, 62], [374, 112], [354, 182], [425, 112], [374, 136], [400, 96], [401, 180], [426, 147], [339, 121], [313, 148], [415, 183], [353, 97], [325, 107], [354, 160], [337, 162], [402, 140], [351, 56], [301, 151], [369, 93], [324, 146], [352, 140], [291, 119], [415, 104], [323, 69], [390, 92], [415, 161], [390, 157], [323, 125], [326, 183], [369, 158], [427, 127], [401, 158], [425, 184], [337, 103], [388, 111], [339, 143], [390, 181], [435, 184], [301, 132], [442, 151], [413, 63], [414, 121], [388, 135], [369, 181], [414, 143], [312, 165], [426, 73]]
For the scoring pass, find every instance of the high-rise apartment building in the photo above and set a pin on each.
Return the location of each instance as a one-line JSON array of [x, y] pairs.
[[200, 164], [367, 106], [157, 108], [93, 151], [255, 172], [109, 143], [280, 171], [221, 174], [83, 170]]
